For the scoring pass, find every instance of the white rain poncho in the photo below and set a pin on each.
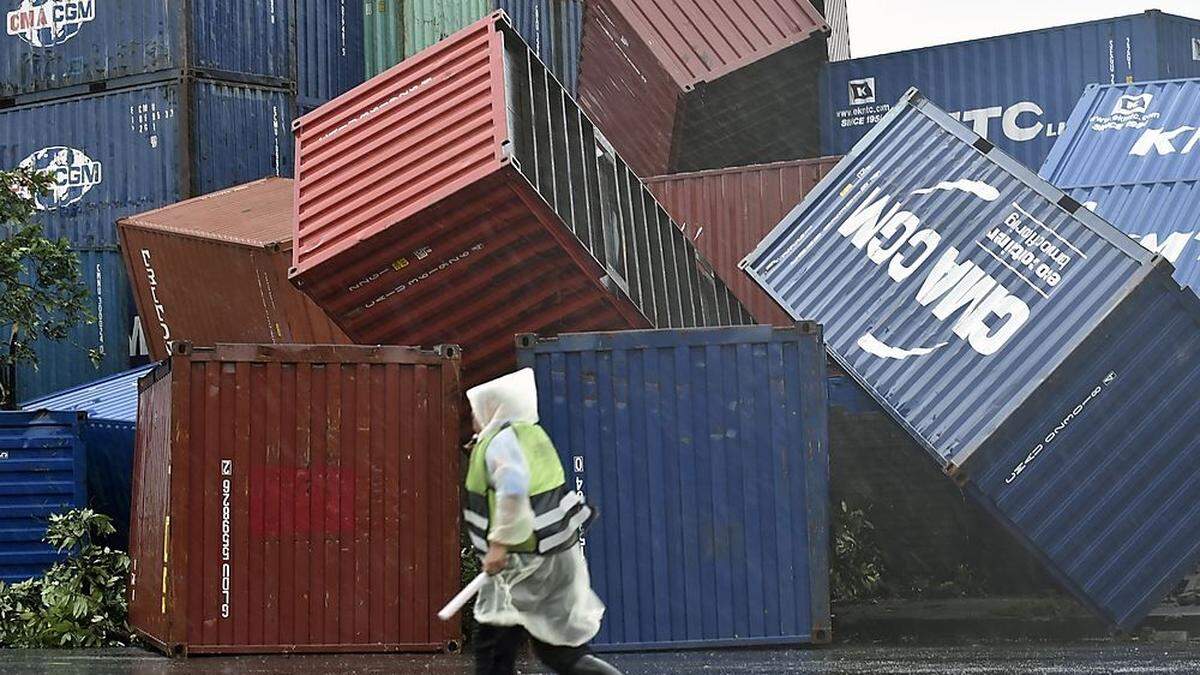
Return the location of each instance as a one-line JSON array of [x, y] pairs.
[[549, 595]]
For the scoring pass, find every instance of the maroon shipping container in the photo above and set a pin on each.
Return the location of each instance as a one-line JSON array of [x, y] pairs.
[[296, 498], [461, 196], [727, 212], [682, 85], [214, 269]]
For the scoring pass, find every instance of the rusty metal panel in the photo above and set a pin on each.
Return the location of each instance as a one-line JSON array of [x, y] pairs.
[[726, 212], [214, 269], [313, 503], [500, 184], [150, 510]]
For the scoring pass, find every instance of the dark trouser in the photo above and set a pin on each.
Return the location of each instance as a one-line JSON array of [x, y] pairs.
[[496, 649]]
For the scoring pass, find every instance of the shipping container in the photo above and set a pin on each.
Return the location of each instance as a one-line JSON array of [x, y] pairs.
[[1128, 154], [42, 470], [397, 30], [470, 165], [705, 452], [214, 269], [726, 212], [701, 84], [52, 44], [1016, 90], [1045, 360], [329, 48], [837, 15], [110, 404], [291, 498], [65, 363], [122, 152]]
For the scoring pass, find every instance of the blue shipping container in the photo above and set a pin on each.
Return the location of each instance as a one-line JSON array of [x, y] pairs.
[[42, 469], [553, 30], [1042, 358], [123, 152], [1016, 90], [50, 44], [1130, 153], [329, 49], [65, 363], [706, 454], [108, 434]]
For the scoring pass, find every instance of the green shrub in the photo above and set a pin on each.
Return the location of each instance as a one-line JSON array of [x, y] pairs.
[[857, 570]]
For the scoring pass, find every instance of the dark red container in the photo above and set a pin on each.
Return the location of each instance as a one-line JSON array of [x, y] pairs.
[[291, 498], [682, 85], [214, 269], [726, 212], [461, 196]]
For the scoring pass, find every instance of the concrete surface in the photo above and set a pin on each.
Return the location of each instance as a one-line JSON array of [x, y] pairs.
[[1100, 657]]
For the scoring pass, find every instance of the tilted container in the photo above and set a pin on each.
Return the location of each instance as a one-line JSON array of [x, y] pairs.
[[1045, 360], [1130, 153], [214, 269], [685, 85], [726, 212], [706, 454], [291, 498], [461, 196], [1017, 90], [121, 152], [42, 472]]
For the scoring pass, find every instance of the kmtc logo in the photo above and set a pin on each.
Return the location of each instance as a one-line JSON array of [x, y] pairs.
[[1130, 111], [1158, 142], [862, 91], [74, 175], [1133, 105], [46, 23]]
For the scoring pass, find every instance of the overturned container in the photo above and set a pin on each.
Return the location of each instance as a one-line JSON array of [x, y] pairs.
[[685, 85], [1130, 154], [214, 269], [1042, 358], [462, 196], [296, 498], [706, 453], [726, 212]]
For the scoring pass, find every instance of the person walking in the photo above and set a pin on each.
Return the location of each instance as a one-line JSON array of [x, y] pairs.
[[526, 524]]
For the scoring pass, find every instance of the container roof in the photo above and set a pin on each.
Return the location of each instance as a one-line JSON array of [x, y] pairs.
[[254, 214], [701, 40], [113, 398]]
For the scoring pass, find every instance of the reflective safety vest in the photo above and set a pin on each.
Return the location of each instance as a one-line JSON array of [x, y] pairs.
[[559, 515]]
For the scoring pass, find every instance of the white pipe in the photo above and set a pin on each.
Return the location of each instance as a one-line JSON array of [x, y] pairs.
[[456, 603]]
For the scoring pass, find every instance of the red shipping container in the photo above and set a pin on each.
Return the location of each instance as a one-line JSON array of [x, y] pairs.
[[296, 498], [680, 85], [214, 269], [727, 212], [461, 196]]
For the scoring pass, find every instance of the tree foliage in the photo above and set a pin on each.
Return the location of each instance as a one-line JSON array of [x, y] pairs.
[[42, 295]]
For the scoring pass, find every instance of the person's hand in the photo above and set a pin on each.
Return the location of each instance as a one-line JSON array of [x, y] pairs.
[[496, 559]]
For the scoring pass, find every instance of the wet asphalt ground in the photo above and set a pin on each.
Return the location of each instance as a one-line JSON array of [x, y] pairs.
[[1101, 657]]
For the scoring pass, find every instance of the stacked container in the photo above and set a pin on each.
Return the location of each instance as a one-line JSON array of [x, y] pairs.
[[461, 196], [296, 498], [685, 85]]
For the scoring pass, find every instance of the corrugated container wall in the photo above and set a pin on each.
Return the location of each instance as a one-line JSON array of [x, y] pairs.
[[706, 454], [469, 163], [397, 30], [701, 84], [329, 48], [1044, 359], [292, 498], [42, 470], [1129, 154], [1016, 90], [64, 43], [726, 212], [108, 436], [122, 152], [214, 269], [66, 362], [837, 15]]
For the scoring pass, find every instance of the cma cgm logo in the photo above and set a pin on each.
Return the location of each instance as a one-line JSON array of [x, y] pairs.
[[74, 175], [46, 23]]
